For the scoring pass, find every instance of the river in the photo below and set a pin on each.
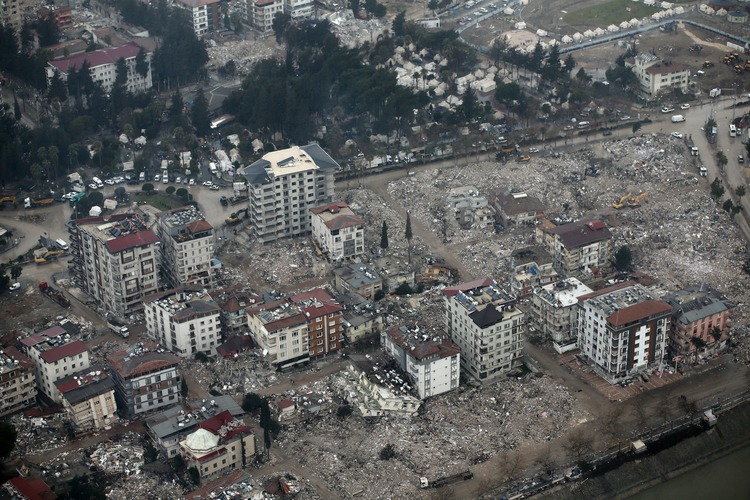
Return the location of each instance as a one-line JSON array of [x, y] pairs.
[[724, 478]]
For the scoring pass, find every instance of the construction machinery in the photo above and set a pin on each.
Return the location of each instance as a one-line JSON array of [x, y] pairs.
[[45, 255], [621, 203], [54, 294], [37, 202], [708, 64], [636, 202], [7, 196], [437, 483]]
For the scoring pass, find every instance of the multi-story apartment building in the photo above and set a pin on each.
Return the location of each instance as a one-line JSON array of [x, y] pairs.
[[168, 427], [655, 75], [339, 232], [187, 247], [17, 381], [581, 246], [299, 9], [486, 325], [234, 302], [55, 357], [283, 186], [220, 444], [262, 12], [280, 329], [701, 319], [184, 320], [12, 13], [430, 359], [203, 13], [103, 66], [622, 330], [325, 322], [553, 310], [533, 267], [358, 278], [116, 261], [145, 379], [89, 399]]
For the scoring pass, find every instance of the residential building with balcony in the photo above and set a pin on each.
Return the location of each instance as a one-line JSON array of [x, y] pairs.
[[168, 427], [262, 13], [187, 247], [221, 444], [656, 75], [578, 247], [280, 329], [338, 231], [358, 278], [17, 381], [184, 320], [325, 321], [430, 359], [283, 186], [116, 261], [89, 399], [517, 208], [533, 267], [486, 325], [622, 330], [204, 14], [701, 319], [553, 311], [234, 302], [300, 9], [103, 67], [146, 378], [55, 357]]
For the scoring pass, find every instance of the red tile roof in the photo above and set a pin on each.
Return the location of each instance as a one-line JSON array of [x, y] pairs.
[[132, 240], [47, 334], [581, 233], [32, 488], [234, 345], [216, 422], [343, 221], [334, 207], [316, 303], [148, 362], [285, 403], [199, 226], [639, 311], [64, 351], [450, 291], [97, 57]]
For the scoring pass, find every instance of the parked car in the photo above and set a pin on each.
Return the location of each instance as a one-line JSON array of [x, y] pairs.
[[677, 135], [214, 187], [740, 158], [14, 286], [157, 177], [192, 182], [533, 150], [109, 182], [607, 132], [208, 183], [93, 186], [685, 106], [178, 180], [667, 109]]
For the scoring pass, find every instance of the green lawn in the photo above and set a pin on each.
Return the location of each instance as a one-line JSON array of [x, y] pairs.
[[159, 201], [612, 12]]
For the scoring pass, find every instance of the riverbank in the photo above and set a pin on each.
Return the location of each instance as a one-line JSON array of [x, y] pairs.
[[729, 435]]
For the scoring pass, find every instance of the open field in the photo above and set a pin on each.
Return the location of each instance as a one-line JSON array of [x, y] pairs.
[[612, 12]]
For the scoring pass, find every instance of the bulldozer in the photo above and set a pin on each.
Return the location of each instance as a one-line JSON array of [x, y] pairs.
[[621, 203], [636, 202]]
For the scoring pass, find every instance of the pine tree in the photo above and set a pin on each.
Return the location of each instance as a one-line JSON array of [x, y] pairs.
[[409, 234], [384, 237], [199, 114]]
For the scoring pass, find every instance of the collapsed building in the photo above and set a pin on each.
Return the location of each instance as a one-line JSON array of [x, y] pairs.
[[553, 310]]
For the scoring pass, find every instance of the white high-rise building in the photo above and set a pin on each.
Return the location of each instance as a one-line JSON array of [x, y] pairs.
[[283, 186], [554, 308], [486, 325], [187, 247]]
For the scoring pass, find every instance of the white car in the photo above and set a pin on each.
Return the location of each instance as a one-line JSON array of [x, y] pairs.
[[15, 286], [157, 177], [178, 180], [533, 150], [214, 187], [93, 186], [667, 109], [685, 106], [68, 196], [109, 182], [677, 135], [192, 182], [208, 183]]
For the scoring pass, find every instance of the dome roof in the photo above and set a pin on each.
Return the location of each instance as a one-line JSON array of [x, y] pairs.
[[201, 440]]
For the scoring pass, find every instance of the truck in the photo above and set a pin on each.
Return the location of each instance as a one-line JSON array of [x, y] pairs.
[[238, 199], [118, 327], [37, 202], [714, 92], [442, 481], [54, 294], [74, 199], [678, 118]]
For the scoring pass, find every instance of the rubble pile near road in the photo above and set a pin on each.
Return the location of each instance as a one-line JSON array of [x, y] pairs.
[[468, 426], [145, 485], [39, 434], [124, 456], [245, 373], [244, 53]]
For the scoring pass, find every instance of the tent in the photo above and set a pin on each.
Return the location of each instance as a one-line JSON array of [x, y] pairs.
[[566, 39]]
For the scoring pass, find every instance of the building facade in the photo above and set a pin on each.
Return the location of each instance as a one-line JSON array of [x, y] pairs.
[[103, 67], [221, 444], [204, 14], [55, 357], [578, 247], [262, 13], [622, 330], [17, 381], [358, 278], [280, 329], [532, 267], [187, 247], [486, 325], [116, 261], [431, 360], [656, 75], [234, 302], [299, 9], [339, 232], [145, 379], [701, 319], [325, 321], [184, 320], [283, 186], [553, 311], [89, 399], [517, 208]]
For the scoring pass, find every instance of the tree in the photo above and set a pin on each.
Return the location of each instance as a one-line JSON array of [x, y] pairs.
[[399, 23], [728, 205], [740, 192], [384, 236], [170, 190], [469, 107], [344, 411], [177, 104], [141, 63], [579, 444], [433, 6], [252, 402], [281, 21], [717, 189], [16, 109], [148, 187], [199, 114], [195, 476], [8, 437], [388, 452], [408, 234], [721, 159], [355, 7], [183, 388], [636, 127], [57, 87], [623, 259], [15, 272]]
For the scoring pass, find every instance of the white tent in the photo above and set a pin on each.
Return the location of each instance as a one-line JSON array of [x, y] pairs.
[[541, 32], [577, 36], [624, 25], [508, 11], [588, 33], [721, 12], [666, 5], [668, 13], [612, 28], [649, 2], [679, 10], [95, 211], [520, 25], [566, 39], [656, 15], [635, 22]]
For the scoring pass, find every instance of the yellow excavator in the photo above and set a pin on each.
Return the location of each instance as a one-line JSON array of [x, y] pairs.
[[44, 255], [620, 204], [636, 202]]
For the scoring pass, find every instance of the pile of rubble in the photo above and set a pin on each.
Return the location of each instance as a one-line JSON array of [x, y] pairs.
[[246, 373], [39, 434], [145, 485], [244, 53], [123, 457], [468, 426]]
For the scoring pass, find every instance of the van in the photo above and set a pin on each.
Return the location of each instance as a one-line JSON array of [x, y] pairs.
[[732, 130], [583, 124], [678, 118], [62, 245], [142, 176], [98, 182]]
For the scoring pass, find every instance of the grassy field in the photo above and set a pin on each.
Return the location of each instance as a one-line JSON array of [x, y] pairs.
[[612, 12], [160, 201]]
